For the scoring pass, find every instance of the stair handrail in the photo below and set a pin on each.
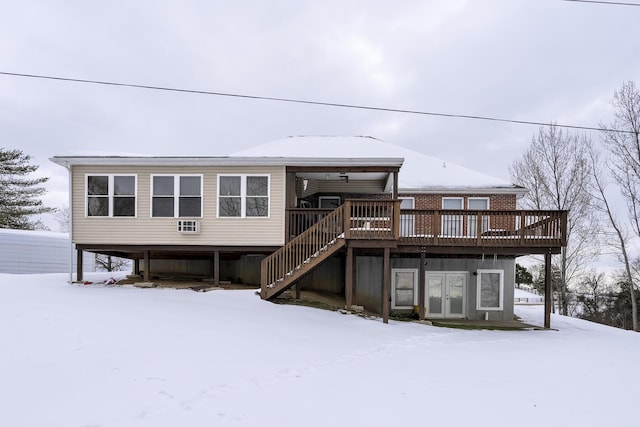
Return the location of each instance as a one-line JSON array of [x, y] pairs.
[[301, 249]]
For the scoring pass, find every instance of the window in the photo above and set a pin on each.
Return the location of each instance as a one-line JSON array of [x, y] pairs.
[[243, 196], [490, 289], [176, 196], [111, 195], [404, 287], [328, 202], [452, 224], [477, 204], [407, 222]]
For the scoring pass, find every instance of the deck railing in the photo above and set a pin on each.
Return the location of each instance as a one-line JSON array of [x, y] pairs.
[[483, 228], [300, 219], [303, 249], [383, 219], [372, 219]]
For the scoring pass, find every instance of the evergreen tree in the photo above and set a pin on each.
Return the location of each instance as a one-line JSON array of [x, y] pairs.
[[523, 277], [19, 193]]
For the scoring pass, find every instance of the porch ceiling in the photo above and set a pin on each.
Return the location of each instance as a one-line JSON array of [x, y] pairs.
[[337, 176]]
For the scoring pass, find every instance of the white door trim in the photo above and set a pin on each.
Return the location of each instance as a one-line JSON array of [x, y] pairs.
[[445, 308]]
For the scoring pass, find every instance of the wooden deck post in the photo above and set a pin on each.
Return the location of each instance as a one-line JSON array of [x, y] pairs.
[[421, 284], [79, 265], [547, 290], [348, 279], [147, 262], [136, 267], [386, 286], [216, 268], [347, 219], [396, 219], [395, 185]]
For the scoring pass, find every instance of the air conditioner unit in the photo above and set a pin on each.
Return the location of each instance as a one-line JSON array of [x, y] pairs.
[[188, 226]]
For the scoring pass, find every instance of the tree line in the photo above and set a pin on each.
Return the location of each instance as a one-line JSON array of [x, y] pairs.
[[566, 170]]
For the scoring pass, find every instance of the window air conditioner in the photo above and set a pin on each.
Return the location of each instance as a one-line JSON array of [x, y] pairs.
[[188, 226]]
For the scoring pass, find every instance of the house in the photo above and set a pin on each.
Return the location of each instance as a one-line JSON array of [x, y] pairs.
[[389, 228], [38, 251]]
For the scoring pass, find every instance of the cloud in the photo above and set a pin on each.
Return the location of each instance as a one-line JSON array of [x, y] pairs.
[[528, 60]]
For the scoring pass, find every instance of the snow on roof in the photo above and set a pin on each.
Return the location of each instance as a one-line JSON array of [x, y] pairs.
[[419, 171]]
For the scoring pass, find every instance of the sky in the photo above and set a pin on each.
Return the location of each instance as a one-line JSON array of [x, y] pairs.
[[534, 60]]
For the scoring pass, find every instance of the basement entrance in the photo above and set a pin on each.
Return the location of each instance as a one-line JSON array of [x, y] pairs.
[[445, 294]]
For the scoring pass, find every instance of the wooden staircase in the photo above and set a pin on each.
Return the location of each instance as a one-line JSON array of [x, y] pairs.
[[283, 268]]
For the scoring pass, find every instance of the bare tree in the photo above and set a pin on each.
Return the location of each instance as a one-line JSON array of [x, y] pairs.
[[623, 142], [556, 170], [63, 218], [615, 234], [112, 263], [103, 262]]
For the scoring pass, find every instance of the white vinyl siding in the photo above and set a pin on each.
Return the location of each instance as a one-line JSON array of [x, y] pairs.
[[163, 230]]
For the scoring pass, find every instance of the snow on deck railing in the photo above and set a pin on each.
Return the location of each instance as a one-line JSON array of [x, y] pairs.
[[496, 228], [382, 219]]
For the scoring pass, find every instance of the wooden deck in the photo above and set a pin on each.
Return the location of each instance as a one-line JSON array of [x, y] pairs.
[[384, 220], [315, 234]]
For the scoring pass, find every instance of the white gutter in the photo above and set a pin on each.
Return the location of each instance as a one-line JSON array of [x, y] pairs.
[[66, 165], [67, 161]]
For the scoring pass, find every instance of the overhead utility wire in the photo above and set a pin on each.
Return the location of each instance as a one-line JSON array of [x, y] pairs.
[[302, 101], [615, 3]]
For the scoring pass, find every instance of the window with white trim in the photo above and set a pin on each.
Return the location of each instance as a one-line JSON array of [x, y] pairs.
[[404, 287], [110, 195], [176, 196], [452, 224], [490, 291], [477, 204], [243, 196]]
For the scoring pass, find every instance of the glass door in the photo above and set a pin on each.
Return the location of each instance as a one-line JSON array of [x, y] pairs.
[[445, 294], [407, 222], [455, 288], [435, 290], [477, 204], [452, 224]]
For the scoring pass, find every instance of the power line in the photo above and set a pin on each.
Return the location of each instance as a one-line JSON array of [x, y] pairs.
[[308, 102], [615, 3]]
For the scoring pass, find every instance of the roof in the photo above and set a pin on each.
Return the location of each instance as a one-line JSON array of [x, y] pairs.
[[419, 171], [141, 160]]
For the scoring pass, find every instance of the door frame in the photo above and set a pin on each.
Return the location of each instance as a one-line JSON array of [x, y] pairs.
[[445, 305]]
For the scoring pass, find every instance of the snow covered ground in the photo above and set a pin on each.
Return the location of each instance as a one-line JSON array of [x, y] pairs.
[[98, 355]]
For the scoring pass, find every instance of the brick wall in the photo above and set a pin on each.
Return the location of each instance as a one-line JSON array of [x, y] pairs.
[[499, 202]]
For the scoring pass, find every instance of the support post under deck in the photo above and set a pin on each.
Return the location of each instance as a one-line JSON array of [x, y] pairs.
[[386, 286], [547, 290], [421, 285], [79, 265], [147, 266], [348, 279]]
